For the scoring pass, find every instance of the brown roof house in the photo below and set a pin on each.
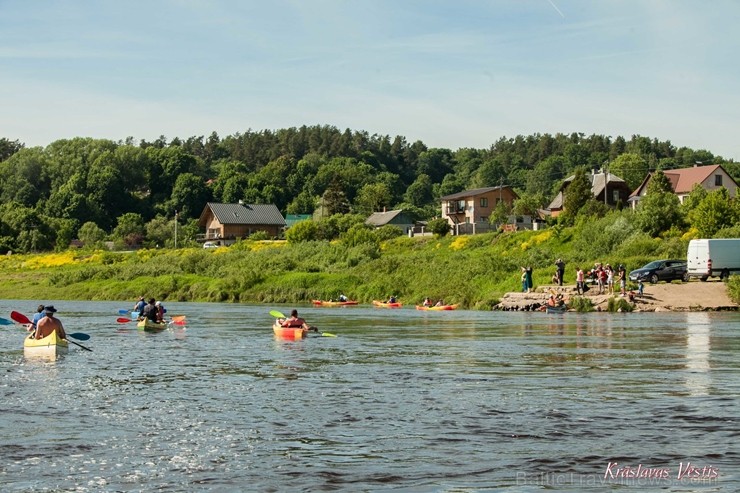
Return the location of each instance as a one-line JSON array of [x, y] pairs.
[[468, 212], [605, 187], [225, 223], [710, 177], [395, 218]]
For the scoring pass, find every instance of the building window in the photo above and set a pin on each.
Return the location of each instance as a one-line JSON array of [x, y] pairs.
[[484, 201], [615, 196], [717, 180], [460, 205]]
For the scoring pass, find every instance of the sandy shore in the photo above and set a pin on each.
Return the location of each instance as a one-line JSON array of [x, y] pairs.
[[675, 296]]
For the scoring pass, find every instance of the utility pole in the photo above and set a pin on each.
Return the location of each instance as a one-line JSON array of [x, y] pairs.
[[606, 179], [175, 229]]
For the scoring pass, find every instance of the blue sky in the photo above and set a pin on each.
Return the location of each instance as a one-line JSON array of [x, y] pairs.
[[450, 73]]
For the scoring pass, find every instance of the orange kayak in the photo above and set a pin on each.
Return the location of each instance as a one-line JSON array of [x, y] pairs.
[[436, 308], [384, 304], [335, 303], [289, 333]]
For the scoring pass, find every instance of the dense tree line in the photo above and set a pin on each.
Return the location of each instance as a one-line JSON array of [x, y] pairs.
[[97, 189]]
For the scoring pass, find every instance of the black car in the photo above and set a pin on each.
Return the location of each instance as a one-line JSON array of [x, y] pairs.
[[661, 270]]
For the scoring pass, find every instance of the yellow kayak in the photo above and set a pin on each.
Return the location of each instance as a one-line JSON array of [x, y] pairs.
[[147, 324], [50, 345]]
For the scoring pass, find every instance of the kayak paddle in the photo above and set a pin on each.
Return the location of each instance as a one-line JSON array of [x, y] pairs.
[[80, 336], [277, 314], [5, 321], [77, 344], [19, 318]]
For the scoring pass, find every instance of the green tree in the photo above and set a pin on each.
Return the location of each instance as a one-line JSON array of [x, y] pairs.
[[335, 200], [439, 226], [500, 214], [714, 212], [576, 194], [659, 210], [302, 231], [91, 235], [160, 232], [631, 167], [359, 234], [189, 196], [129, 229], [373, 197], [9, 147], [419, 193]]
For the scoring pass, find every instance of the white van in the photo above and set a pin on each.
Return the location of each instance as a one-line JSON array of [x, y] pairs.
[[716, 257], [210, 244]]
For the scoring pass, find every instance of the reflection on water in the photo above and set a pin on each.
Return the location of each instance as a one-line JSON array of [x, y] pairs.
[[401, 400], [698, 328]]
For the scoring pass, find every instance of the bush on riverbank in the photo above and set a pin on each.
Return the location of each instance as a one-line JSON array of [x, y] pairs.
[[473, 271]]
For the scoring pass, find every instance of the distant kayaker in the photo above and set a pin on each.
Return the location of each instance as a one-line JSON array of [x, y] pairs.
[[139, 306], [439, 303], [161, 310], [150, 311], [294, 321], [391, 299], [427, 302], [49, 324], [342, 298]]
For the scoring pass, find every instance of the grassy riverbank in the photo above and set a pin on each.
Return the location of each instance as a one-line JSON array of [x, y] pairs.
[[473, 271]]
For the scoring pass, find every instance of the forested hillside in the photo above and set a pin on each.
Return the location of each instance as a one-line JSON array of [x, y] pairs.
[[128, 192]]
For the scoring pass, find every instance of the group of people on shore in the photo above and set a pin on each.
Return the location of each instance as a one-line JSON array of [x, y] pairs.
[[604, 277], [153, 310]]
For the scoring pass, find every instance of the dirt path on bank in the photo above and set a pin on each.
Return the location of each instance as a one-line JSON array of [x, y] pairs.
[[694, 294], [675, 296]]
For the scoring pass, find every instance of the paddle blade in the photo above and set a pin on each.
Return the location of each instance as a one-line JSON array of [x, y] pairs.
[[19, 318], [179, 322], [122, 320], [5, 321], [122, 312], [276, 314], [178, 318], [79, 336], [327, 334]]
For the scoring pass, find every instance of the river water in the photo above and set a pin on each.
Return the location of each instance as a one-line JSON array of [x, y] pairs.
[[400, 400]]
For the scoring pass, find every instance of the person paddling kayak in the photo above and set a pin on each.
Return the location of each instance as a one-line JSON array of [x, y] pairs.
[[294, 321]]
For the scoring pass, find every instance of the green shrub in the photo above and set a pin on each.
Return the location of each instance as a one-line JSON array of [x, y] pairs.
[[440, 227], [580, 304], [733, 288], [617, 304]]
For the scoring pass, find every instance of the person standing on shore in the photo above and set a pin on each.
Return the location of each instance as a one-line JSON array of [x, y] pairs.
[[579, 281], [530, 284], [561, 270]]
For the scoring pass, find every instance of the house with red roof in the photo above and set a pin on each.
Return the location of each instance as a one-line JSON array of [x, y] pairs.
[[710, 177]]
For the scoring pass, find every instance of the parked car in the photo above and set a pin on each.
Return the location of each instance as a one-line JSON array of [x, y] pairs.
[[661, 270], [210, 244]]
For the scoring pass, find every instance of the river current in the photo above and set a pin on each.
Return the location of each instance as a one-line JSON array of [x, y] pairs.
[[401, 400]]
